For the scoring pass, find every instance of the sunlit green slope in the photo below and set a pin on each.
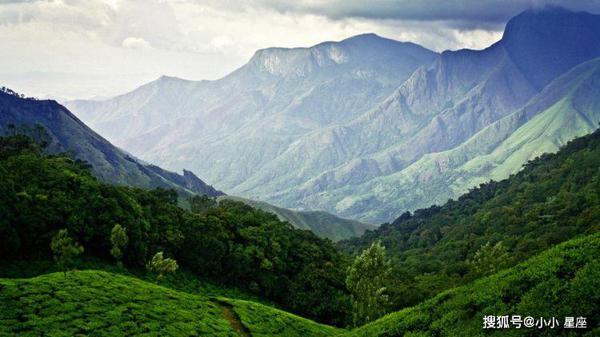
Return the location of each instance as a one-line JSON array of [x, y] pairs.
[[563, 281], [104, 304]]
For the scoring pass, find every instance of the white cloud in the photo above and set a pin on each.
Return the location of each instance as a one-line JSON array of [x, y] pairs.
[[112, 39], [135, 43]]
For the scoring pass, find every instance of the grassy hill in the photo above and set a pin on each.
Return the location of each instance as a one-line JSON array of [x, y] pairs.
[[325, 225], [106, 304], [230, 244], [563, 281]]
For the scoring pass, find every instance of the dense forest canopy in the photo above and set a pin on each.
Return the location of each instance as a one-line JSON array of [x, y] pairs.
[[228, 242]]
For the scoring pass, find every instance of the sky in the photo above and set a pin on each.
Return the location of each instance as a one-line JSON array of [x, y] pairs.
[[68, 49]]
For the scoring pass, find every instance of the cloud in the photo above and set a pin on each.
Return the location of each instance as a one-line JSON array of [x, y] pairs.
[[476, 13], [135, 43], [206, 39]]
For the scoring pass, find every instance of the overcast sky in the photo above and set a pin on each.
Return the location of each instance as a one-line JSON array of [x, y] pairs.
[[87, 48]]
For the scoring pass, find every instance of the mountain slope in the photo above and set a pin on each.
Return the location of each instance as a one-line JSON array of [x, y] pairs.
[[69, 134], [561, 282], [351, 169], [110, 164], [321, 223], [553, 198], [567, 108], [333, 126], [231, 128], [100, 303], [95, 302]]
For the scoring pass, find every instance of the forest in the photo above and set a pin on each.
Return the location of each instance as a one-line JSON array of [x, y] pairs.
[[228, 242], [442, 257]]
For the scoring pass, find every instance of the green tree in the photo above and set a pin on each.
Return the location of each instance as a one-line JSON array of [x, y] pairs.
[[366, 280], [490, 258], [201, 204], [161, 266], [65, 249], [119, 239]]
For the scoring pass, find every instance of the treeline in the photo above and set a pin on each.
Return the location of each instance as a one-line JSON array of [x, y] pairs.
[[228, 242], [554, 198]]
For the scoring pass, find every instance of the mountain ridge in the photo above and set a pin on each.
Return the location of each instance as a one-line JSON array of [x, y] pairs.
[[325, 126]]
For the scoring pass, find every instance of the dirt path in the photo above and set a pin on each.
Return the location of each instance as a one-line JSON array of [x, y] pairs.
[[234, 320]]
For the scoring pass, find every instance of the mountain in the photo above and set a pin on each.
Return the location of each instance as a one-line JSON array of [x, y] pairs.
[[321, 223], [69, 134], [346, 126], [229, 243], [362, 169], [566, 108], [496, 225], [231, 128]]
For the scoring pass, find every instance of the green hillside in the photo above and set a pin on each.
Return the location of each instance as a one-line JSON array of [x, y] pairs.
[[325, 225], [562, 282], [104, 304], [553, 198], [231, 244]]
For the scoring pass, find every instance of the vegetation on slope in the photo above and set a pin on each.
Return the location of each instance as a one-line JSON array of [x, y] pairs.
[[232, 243], [264, 321], [555, 197], [323, 224], [561, 282], [104, 304], [65, 133]]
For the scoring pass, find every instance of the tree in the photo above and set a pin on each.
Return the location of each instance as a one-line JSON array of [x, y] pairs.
[[201, 204], [64, 249], [119, 239], [161, 266], [490, 258], [366, 280]]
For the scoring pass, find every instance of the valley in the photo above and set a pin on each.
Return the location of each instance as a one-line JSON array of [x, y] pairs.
[[360, 187]]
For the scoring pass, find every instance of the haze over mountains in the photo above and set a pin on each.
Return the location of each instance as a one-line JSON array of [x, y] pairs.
[[63, 132], [369, 127]]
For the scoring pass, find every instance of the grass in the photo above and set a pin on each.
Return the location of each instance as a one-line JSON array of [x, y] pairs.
[[99, 303], [266, 321], [562, 281]]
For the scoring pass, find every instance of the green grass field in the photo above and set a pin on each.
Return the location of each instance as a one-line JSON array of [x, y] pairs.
[[98, 303], [563, 281]]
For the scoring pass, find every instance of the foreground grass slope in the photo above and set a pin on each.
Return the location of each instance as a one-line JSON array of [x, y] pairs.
[[563, 281], [98, 303]]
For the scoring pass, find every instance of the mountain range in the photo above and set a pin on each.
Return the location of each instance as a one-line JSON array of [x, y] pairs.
[[368, 127], [63, 132], [52, 123]]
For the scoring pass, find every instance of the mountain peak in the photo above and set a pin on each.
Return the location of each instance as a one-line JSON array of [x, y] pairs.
[[534, 37], [364, 37], [362, 48]]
